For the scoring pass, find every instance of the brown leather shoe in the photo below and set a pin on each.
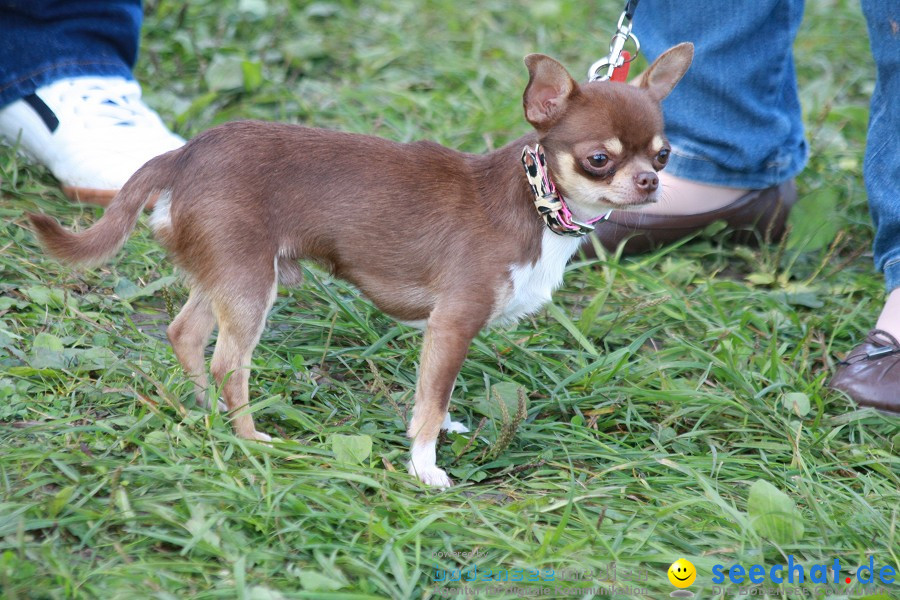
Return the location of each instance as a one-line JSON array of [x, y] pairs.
[[870, 374], [760, 212]]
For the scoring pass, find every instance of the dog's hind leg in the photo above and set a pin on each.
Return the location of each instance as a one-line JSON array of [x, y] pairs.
[[448, 333], [241, 312], [189, 333]]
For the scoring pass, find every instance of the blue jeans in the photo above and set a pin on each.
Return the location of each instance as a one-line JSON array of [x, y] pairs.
[[45, 40], [881, 169], [735, 118]]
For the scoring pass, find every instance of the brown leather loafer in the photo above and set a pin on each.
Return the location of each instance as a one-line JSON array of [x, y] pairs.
[[870, 374], [760, 214]]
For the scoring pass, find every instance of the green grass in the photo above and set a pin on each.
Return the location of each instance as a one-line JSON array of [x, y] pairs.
[[659, 388]]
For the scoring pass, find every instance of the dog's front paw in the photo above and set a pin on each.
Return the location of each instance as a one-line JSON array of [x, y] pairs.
[[430, 475], [453, 426], [456, 427]]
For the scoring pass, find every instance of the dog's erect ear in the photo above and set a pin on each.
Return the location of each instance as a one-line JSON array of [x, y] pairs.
[[548, 90], [666, 71]]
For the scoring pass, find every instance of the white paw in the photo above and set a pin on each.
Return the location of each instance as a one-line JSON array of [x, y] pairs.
[[430, 475], [422, 464], [261, 437], [456, 427], [453, 426]]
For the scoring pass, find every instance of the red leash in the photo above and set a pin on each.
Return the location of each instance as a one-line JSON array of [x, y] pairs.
[[621, 72]]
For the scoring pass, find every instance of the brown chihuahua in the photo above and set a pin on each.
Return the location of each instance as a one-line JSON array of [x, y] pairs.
[[446, 240]]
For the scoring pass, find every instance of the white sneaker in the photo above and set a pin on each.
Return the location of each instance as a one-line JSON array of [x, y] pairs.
[[93, 133]]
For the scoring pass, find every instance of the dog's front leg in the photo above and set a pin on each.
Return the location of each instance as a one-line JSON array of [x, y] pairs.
[[448, 334]]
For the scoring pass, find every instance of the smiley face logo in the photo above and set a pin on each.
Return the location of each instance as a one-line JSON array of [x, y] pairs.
[[682, 573]]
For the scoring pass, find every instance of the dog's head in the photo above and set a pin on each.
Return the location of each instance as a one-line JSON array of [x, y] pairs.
[[604, 141]]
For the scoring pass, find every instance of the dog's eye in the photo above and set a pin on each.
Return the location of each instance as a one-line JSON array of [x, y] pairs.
[[663, 156], [598, 160]]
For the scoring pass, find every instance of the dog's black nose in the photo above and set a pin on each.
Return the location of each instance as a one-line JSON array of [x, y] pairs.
[[646, 181]]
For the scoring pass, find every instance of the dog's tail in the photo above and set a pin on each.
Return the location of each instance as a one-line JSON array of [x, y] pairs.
[[106, 236]]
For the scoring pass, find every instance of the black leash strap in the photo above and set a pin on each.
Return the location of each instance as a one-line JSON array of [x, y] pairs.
[[630, 6]]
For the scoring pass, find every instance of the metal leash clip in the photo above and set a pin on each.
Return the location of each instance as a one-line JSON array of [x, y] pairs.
[[614, 59]]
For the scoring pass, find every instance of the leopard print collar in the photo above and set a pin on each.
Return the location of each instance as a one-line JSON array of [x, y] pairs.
[[549, 202]]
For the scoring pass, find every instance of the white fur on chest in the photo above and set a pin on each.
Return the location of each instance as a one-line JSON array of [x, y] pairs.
[[533, 284]]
